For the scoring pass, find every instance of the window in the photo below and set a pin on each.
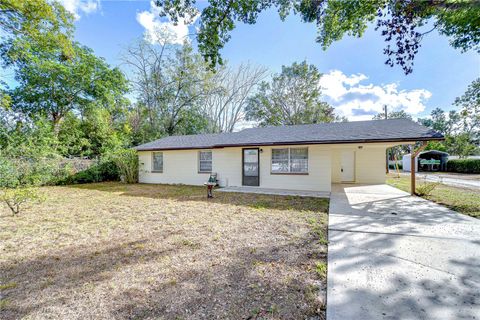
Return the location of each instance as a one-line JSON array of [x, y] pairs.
[[205, 161], [157, 161], [290, 160]]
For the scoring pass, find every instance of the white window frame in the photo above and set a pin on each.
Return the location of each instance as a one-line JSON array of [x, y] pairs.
[[199, 160], [289, 162], [153, 162]]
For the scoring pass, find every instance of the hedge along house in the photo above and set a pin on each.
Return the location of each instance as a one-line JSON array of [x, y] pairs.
[[299, 157]]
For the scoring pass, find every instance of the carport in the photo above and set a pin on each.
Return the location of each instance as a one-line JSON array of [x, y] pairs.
[[431, 160], [395, 256]]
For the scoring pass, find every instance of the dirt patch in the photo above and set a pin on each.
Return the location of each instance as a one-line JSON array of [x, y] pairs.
[[113, 251]]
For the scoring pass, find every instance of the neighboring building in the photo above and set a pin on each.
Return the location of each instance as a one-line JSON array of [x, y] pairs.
[[431, 160], [300, 157]]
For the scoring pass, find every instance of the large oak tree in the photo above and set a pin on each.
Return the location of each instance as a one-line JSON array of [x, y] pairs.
[[403, 23], [291, 97]]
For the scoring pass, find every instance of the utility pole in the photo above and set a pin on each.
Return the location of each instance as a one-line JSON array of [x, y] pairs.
[[386, 117]]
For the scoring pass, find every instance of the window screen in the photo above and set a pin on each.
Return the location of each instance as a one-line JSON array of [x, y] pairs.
[[157, 163], [205, 161], [290, 160]]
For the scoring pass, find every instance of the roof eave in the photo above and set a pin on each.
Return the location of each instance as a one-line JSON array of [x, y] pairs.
[[217, 146], [174, 148]]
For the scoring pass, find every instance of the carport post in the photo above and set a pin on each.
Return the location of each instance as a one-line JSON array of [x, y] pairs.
[[413, 155]]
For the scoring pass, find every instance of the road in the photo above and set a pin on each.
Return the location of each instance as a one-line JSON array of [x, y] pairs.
[[470, 181]]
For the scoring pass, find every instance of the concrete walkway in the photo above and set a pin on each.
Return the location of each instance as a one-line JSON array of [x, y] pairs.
[[394, 256], [279, 192]]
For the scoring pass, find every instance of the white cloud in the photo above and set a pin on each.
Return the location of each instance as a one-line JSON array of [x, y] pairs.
[[359, 101], [76, 7], [154, 26]]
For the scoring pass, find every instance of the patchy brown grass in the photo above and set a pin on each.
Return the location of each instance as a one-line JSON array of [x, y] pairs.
[[113, 251]]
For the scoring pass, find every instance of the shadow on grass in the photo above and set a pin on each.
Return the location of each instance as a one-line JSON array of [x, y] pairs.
[[460, 199], [197, 193], [273, 281]]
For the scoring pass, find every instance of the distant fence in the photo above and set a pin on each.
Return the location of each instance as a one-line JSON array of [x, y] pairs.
[[77, 164]]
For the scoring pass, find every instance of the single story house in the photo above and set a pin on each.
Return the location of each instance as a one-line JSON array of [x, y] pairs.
[[298, 157]]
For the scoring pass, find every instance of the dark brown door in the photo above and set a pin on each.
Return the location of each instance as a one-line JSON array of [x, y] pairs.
[[251, 167]]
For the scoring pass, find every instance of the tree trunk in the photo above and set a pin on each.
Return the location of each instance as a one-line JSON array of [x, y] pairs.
[[56, 123]]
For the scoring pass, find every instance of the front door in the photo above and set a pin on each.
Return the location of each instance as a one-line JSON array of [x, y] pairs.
[[251, 167], [348, 166]]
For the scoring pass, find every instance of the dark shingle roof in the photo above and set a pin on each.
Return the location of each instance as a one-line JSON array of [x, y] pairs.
[[392, 130]]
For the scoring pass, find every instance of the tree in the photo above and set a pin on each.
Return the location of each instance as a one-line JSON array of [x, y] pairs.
[[170, 85], [16, 199], [226, 95], [25, 22], [93, 135], [393, 115], [38, 21], [400, 22], [458, 140], [146, 63], [51, 86], [19, 179], [180, 96], [469, 104], [460, 144], [291, 97], [441, 121]]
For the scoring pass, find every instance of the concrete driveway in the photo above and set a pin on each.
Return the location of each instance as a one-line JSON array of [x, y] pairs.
[[393, 256]]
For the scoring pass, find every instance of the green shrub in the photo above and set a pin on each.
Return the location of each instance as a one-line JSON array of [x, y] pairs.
[[17, 198], [28, 171], [464, 165], [126, 161], [425, 189], [19, 178], [392, 166], [103, 170]]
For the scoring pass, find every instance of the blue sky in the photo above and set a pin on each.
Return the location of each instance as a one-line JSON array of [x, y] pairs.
[[356, 81]]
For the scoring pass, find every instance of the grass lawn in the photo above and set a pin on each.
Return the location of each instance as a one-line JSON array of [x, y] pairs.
[[466, 201], [113, 251]]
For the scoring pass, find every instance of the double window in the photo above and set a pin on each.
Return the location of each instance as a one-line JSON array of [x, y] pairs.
[[157, 161], [290, 160], [205, 161]]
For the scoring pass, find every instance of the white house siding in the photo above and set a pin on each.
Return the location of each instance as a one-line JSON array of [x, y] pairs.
[[369, 162], [319, 168], [181, 166], [228, 165]]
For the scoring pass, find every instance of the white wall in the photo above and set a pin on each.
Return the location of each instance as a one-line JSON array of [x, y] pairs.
[[369, 162], [406, 163], [319, 171], [228, 165], [181, 166]]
